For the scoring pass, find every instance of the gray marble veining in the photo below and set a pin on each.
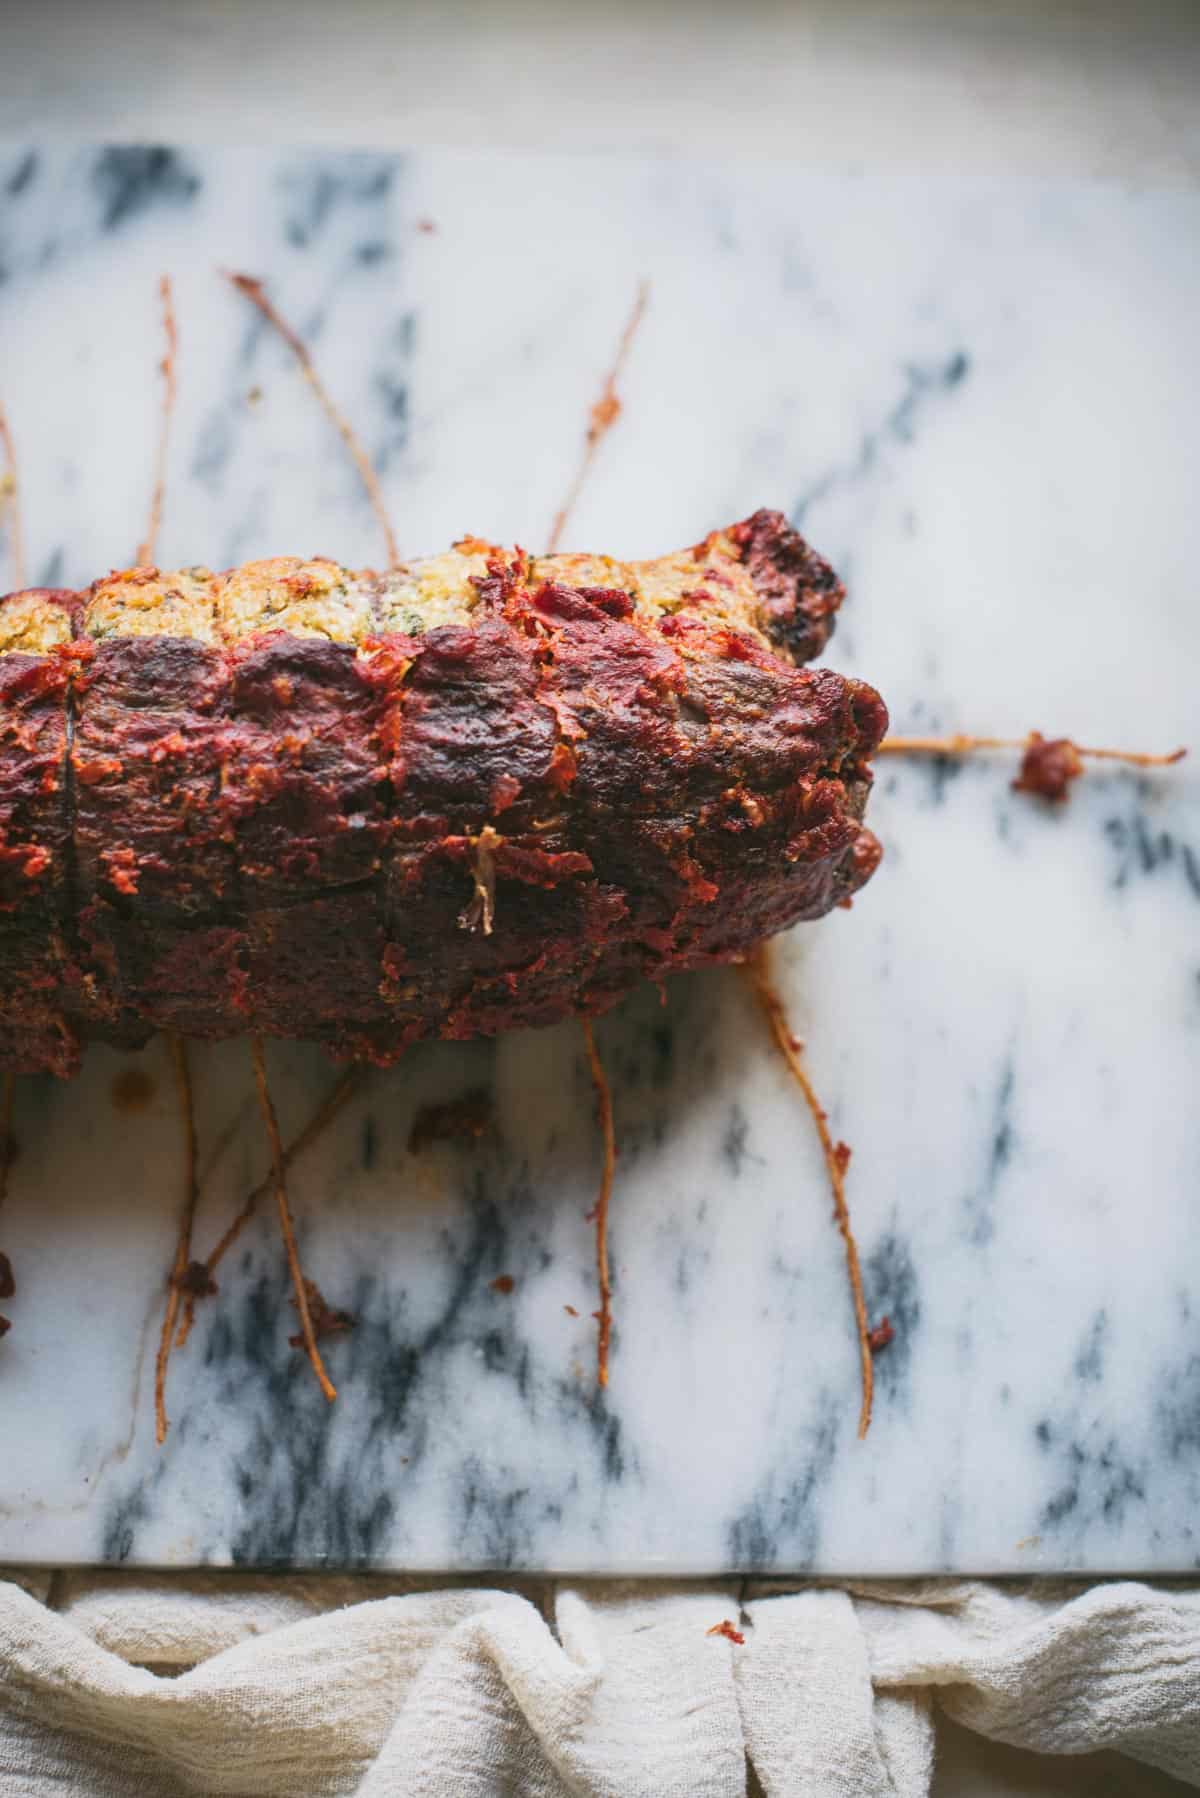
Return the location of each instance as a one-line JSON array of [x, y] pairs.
[[980, 402]]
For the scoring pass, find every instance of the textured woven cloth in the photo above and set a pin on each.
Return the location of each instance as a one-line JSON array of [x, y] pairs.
[[150, 1688]]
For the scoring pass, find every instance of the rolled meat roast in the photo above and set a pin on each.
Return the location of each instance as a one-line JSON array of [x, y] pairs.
[[482, 791]]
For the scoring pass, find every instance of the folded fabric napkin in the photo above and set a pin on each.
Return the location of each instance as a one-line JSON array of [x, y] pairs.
[[151, 1687]]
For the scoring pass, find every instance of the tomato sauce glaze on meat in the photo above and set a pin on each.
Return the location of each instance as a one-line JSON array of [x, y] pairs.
[[482, 791]]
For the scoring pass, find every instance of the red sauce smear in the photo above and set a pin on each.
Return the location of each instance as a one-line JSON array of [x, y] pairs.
[[147, 548], [603, 416], [599, 1212], [183, 1246], [300, 1286], [256, 294], [1048, 764], [837, 1159]]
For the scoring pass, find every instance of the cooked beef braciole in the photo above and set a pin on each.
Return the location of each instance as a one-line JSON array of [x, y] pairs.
[[483, 791]]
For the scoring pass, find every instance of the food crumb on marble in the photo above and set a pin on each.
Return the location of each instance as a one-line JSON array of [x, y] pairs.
[[132, 1090], [467, 1116], [327, 1319]]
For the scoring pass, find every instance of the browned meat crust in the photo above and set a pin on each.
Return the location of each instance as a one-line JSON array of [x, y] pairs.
[[370, 826]]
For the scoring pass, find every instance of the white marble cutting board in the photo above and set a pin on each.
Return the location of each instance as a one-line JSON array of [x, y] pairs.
[[980, 401]]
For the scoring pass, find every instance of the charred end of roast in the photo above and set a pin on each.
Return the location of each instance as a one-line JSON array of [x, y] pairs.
[[797, 589]]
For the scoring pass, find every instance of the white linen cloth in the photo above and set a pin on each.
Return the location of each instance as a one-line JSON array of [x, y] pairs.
[[151, 1687]]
